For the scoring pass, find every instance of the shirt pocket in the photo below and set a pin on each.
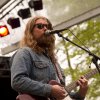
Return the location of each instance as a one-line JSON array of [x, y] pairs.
[[41, 65], [41, 70]]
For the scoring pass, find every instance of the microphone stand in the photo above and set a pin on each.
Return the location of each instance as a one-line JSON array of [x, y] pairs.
[[94, 59]]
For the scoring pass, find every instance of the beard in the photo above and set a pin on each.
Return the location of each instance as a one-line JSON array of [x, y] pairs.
[[46, 41]]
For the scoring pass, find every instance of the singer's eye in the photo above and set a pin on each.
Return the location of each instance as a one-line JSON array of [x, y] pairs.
[[41, 26]]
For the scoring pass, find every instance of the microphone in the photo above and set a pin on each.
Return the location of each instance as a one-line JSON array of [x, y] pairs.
[[48, 32]]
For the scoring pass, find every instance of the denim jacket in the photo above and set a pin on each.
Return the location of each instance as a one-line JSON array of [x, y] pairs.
[[31, 73]]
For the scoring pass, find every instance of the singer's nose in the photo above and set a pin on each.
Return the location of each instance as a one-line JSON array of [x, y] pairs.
[[45, 28]]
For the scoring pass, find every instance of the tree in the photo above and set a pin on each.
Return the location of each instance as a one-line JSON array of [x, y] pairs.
[[88, 34]]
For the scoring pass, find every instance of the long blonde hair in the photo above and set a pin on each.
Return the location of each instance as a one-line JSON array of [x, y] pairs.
[[29, 40]]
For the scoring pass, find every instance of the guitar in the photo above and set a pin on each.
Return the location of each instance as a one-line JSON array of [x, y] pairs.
[[68, 88]]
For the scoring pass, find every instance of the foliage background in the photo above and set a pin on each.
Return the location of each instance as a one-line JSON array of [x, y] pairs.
[[86, 35]]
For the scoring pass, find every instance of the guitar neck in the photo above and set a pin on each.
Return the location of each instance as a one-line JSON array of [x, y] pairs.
[[74, 84]]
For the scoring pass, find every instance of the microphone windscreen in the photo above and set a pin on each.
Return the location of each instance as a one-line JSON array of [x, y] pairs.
[[47, 32]]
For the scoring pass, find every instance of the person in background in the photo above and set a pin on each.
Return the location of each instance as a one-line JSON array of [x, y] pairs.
[[34, 68]]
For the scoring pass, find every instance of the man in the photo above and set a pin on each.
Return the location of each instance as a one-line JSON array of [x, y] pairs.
[[34, 65]]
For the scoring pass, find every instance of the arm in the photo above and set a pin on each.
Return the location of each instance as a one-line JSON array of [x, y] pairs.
[[80, 95], [20, 76], [83, 83], [21, 82]]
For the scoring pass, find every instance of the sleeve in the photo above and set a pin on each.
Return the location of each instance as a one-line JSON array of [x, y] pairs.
[[20, 72], [76, 96]]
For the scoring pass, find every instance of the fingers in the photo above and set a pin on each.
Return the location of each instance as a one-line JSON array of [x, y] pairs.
[[83, 82], [58, 92], [63, 90], [62, 93]]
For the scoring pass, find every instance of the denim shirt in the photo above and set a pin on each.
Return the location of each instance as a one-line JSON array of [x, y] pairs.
[[32, 72]]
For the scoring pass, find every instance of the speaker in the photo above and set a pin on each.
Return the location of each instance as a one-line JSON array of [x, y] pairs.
[[6, 92], [24, 13], [14, 22], [36, 4]]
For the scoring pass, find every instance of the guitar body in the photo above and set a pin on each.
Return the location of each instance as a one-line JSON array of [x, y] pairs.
[[53, 82], [29, 97]]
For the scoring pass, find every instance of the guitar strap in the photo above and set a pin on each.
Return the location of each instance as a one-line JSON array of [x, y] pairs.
[[59, 73]]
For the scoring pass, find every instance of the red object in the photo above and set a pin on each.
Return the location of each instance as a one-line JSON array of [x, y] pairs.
[[4, 31]]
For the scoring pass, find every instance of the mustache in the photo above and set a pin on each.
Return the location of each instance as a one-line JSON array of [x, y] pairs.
[[46, 41]]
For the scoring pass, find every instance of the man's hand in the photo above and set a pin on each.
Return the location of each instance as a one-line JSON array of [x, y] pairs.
[[83, 83], [58, 92]]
